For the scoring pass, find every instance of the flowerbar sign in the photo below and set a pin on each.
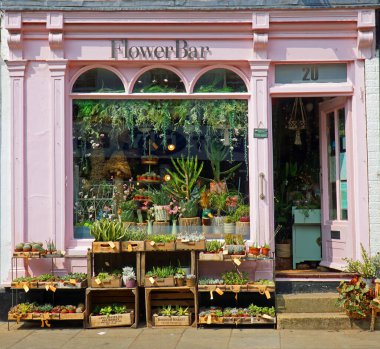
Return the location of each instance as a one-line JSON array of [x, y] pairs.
[[180, 50]]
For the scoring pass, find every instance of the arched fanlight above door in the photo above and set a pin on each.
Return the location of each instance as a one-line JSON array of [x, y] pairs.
[[98, 80]]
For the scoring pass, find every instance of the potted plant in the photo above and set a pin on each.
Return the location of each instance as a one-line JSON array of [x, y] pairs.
[[107, 236], [355, 298], [179, 277], [214, 251], [129, 277], [265, 250], [160, 242], [218, 204], [229, 225], [134, 239], [254, 249], [127, 211], [73, 280], [160, 201], [234, 244], [160, 277], [190, 280], [107, 280]]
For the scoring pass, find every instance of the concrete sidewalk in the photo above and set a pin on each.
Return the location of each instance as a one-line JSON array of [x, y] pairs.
[[30, 336]]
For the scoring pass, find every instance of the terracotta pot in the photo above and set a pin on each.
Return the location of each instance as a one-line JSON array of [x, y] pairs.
[[244, 219], [254, 250], [265, 251], [180, 282]]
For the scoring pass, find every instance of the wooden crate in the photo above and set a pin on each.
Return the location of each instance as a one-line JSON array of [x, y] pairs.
[[97, 321], [68, 284], [165, 282], [132, 246], [44, 284], [160, 246], [211, 256], [114, 283], [105, 247], [105, 296], [156, 297], [71, 316], [18, 317], [172, 320], [190, 245], [210, 319], [31, 284]]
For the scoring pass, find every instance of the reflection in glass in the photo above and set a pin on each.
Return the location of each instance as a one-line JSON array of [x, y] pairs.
[[220, 80], [342, 164], [159, 81], [331, 166], [98, 81]]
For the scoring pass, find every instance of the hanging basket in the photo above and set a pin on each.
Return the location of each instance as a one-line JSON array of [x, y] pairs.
[[297, 121]]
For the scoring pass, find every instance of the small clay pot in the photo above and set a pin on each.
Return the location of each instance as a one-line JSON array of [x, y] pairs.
[[254, 250], [265, 251], [180, 282]]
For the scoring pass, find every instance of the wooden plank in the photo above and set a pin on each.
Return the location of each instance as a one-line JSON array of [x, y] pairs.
[[106, 247], [142, 268]]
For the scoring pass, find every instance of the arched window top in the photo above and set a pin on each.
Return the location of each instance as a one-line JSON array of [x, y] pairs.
[[220, 80], [158, 80], [98, 80]]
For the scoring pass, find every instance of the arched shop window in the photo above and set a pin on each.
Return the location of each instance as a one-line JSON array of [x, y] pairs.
[[220, 80], [130, 158], [98, 80], [159, 81]]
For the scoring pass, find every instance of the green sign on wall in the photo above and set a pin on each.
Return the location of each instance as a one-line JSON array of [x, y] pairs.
[[260, 133]]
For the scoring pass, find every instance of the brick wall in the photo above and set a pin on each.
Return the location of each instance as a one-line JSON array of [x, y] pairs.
[[373, 138]]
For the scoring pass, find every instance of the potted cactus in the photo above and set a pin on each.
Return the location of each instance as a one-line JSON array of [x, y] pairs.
[[129, 277]]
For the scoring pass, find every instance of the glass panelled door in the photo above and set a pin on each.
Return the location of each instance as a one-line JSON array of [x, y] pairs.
[[336, 235]]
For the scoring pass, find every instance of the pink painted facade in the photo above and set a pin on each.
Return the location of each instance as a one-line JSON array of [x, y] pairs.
[[48, 51]]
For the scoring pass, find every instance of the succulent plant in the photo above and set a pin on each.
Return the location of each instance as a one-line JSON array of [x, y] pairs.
[[27, 248]]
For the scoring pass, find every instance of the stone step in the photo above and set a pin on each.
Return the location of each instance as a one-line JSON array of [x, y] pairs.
[[321, 321], [307, 303]]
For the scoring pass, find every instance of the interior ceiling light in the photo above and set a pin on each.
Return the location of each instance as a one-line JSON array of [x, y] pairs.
[[171, 147], [167, 178]]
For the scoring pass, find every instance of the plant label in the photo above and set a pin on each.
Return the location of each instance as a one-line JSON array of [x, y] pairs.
[[47, 287], [209, 320], [107, 264], [63, 253], [267, 294], [97, 280], [237, 261], [211, 294], [129, 248], [112, 245], [151, 279], [26, 288], [152, 243], [268, 317], [219, 291], [52, 288], [73, 281], [225, 251]]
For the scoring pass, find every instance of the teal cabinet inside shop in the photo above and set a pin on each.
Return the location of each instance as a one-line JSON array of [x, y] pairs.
[[306, 235]]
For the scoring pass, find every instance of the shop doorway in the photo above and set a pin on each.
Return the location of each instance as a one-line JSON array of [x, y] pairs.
[[297, 182]]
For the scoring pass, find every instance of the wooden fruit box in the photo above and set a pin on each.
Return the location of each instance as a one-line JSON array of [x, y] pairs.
[[132, 246], [211, 256], [184, 320], [115, 320], [30, 284], [114, 283], [71, 316], [68, 284], [45, 316], [165, 282], [44, 284], [159, 246], [26, 254], [106, 247], [190, 245], [264, 319], [210, 319], [18, 317]]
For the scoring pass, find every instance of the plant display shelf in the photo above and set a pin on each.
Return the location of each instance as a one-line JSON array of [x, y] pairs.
[[105, 296], [113, 260], [143, 261], [156, 297], [45, 318], [254, 288]]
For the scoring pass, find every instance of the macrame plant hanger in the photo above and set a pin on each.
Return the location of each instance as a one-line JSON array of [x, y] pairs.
[[297, 121]]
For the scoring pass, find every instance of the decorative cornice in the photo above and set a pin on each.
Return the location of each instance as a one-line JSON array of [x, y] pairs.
[[16, 68], [56, 41], [14, 40]]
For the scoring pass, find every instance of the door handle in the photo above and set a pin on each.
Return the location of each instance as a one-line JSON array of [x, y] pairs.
[[262, 195]]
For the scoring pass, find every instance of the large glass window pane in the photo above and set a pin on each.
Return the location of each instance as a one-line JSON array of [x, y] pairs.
[[331, 156], [98, 81], [128, 159], [159, 81], [220, 80]]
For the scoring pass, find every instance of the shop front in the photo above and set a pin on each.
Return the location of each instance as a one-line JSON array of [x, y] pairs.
[[112, 112]]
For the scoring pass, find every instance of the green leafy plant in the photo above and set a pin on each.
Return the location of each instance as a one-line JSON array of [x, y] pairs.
[[218, 202], [369, 267], [355, 298], [106, 230], [135, 234], [160, 238], [159, 197], [183, 183], [241, 211], [234, 239], [162, 272], [180, 311], [110, 309], [214, 246], [167, 311], [235, 278], [128, 211]]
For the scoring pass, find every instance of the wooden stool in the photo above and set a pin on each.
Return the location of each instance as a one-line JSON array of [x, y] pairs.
[[375, 310]]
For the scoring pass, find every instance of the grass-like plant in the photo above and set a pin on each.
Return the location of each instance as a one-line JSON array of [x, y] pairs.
[[162, 272], [107, 230]]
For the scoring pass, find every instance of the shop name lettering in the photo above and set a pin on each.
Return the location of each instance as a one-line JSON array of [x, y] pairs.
[[181, 50]]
